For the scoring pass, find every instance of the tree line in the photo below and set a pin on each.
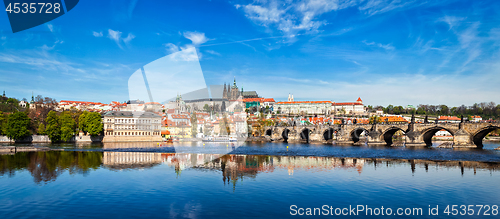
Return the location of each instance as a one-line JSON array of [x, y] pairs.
[[485, 110], [58, 126], [20, 122]]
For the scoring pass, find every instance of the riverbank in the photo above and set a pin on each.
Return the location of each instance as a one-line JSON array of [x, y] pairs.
[[16, 149]]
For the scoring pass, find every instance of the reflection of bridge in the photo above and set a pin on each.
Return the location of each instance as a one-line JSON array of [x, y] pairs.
[[416, 134]]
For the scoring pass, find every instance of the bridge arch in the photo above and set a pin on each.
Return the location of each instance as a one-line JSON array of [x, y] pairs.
[[304, 134], [269, 132], [389, 133], [356, 133], [427, 134], [328, 134], [478, 137], [284, 134]]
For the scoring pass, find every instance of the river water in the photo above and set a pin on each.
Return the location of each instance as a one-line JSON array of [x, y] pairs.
[[192, 180]]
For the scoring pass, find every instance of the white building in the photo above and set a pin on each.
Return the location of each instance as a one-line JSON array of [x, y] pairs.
[[349, 107], [131, 126], [303, 107], [22, 103], [477, 119]]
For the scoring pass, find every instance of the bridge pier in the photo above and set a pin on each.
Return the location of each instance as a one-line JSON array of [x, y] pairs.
[[375, 138], [462, 139]]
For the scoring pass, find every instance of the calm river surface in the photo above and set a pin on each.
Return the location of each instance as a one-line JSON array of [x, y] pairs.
[[192, 180]]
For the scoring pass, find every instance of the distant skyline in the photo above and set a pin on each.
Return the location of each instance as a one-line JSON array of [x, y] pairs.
[[386, 52]]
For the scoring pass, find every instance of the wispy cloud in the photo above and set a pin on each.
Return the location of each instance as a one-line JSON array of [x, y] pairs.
[[372, 7], [97, 34], [196, 37], [116, 36], [213, 52], [452, 21], [386, 46], [51, 27], [292, 17]]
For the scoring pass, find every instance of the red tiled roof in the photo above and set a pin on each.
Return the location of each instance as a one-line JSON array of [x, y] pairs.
[[393, 119], [179, 116], [79, 102], [448, 118], [296, 102], [253, 100], [346, 104]]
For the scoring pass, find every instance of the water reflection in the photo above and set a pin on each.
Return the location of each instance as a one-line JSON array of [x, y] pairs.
[[47, 166]]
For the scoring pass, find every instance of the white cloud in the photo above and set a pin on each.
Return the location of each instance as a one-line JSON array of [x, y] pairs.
[[386, 46], [171, 48], [373, 7], [129, 38], [97, 34], [452, 21], [213, 52], [182, 53], [116, 36], [51, 27], [196, 37], [292, 17]]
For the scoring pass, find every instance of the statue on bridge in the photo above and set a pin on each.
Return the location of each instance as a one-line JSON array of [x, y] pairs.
[[354, 121], [413, 118], [426, 120]]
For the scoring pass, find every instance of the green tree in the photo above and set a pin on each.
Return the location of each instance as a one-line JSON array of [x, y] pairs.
[[3, 123], [420, 111], [41, 129], [94, 124], [53, 128], [68, 126], [82, 121], [18, 126], [194, 125], [375, 118], [206, 108]]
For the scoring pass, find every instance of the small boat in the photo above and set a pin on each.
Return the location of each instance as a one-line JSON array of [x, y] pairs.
[[219, 139]]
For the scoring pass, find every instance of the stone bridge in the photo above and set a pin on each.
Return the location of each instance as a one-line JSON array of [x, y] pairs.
[[464, 134]]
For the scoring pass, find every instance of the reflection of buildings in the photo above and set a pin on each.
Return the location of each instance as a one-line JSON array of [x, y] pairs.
[[126, 160], [238, 167]]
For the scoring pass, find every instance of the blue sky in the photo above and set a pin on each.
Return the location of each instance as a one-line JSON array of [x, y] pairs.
[[386, 52]]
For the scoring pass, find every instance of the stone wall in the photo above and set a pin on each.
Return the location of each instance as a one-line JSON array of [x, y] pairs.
[[29, 139]]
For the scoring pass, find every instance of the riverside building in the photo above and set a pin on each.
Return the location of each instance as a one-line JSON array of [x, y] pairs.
[[121, 126]]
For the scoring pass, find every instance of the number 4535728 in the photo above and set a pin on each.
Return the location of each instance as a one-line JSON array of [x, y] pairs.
[[32, 8]]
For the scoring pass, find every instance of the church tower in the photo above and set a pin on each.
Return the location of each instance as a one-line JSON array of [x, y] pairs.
[[359, 100], [235, 92], [290, 97], [224, 93]]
